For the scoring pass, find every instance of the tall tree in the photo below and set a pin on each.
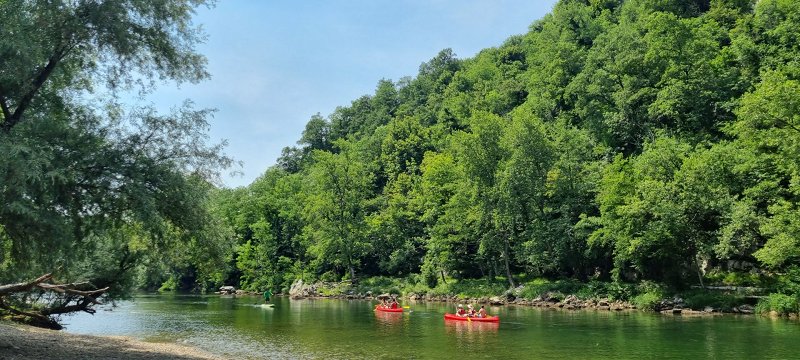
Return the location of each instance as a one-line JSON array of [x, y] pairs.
[[91, 189], [336, 208]]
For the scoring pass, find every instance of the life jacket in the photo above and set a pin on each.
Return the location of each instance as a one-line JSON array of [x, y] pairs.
[[394, 305]]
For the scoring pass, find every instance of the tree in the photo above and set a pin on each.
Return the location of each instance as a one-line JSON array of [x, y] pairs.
[[440, 199], [769, 128], [54, 48], [90, 190], [336, 208]]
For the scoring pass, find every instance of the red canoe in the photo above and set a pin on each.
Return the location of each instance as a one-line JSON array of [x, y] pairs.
[[449, 316], [398, 310]]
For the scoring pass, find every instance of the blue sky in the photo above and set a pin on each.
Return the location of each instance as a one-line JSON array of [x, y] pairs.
[[274, 64]]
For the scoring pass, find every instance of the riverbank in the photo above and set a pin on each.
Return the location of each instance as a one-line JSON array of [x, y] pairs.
[[566, 295], [22, 342]]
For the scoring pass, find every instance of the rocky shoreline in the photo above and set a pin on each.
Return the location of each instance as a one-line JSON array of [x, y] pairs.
[[556, 301], [671, 306]]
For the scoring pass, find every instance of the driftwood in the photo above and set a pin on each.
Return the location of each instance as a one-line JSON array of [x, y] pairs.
[[66, 298]]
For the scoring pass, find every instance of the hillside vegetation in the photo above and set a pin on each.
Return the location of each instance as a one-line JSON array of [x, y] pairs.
[[652, 141]]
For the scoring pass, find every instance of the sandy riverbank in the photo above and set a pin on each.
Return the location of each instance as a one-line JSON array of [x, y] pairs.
[[19, 342]]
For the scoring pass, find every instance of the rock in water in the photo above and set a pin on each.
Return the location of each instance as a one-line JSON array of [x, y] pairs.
[[296, 290]]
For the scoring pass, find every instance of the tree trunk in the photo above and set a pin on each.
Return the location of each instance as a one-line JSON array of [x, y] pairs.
[[507, 259], [699, 272], [508, 271], [444, 280]]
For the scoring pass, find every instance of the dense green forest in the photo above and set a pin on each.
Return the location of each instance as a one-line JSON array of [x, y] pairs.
[[618, 142], [623, 141]]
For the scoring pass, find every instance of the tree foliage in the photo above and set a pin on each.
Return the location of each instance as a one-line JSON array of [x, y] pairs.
[[94, 190], [639, 140]]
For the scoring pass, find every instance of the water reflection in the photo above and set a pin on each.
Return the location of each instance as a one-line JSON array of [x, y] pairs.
[[241, 328], [470, 327], [388, 318]]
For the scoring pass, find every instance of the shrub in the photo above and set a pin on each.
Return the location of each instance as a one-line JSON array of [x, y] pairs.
[[170, 285], [648, 300], [780, 303], [738, 278], [620, 291], [477, 288], [789, 283], [593, 290], [700, 299], [535, 288], [329, 276]]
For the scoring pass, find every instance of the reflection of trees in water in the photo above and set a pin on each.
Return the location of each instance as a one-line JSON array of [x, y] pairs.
[[471, 332]]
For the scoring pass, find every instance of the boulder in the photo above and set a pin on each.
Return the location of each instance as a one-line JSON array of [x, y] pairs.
[[300, 290], [675, 311], [226, 290], [496, 300], [747, 309]]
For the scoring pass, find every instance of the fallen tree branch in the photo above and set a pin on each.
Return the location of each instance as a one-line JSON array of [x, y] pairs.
[[18, 287], [72, 297], [31, 318]]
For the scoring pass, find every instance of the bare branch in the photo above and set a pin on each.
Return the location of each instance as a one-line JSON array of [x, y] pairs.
[[38, 82], [18, 287], [83, 299]]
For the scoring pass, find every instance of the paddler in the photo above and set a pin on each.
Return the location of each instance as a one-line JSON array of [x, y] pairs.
[[460, 311], [482, 312], [267, 296]]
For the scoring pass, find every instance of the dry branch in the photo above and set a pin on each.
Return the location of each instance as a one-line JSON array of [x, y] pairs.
[[69, 298], [19, 287]]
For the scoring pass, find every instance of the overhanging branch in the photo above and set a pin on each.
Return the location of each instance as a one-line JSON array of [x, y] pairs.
[[68, 298]]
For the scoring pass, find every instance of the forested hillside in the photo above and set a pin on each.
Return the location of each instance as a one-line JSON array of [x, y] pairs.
[[622, 141]]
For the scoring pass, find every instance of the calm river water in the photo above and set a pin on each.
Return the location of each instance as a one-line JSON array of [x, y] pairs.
[[237, 327]]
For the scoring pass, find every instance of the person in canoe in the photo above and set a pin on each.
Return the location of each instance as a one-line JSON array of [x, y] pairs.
[[383, 304], [482, 312], [267, 296], [394, 304], [460, 311], [470, 311]]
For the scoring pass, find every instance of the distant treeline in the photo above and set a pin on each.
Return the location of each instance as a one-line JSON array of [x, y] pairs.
[[616, 140]]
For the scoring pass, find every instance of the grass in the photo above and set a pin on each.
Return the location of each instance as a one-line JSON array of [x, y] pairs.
[[782, 304]]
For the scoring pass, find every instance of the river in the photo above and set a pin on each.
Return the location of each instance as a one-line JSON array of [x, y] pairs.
[[239, 327]]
